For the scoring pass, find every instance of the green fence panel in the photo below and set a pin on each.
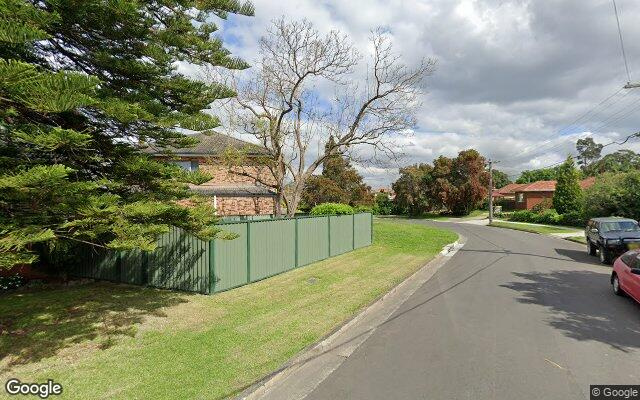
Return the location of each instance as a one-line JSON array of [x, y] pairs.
[[96, 263], [271, 247], [263, 248], [131, 267], [313, 240], [229, 259], [362, 230], [341, 234], [181, 261]]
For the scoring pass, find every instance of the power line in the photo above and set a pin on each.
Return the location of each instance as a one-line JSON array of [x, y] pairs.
[[626, 139], [588, 112], [624, 54]]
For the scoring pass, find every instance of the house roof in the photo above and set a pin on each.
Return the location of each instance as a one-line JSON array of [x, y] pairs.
[[210, 144], [235, 190], [550, 186], [538, 186], [507, 190]]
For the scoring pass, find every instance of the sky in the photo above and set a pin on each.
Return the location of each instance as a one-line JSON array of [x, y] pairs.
[[514, 77]]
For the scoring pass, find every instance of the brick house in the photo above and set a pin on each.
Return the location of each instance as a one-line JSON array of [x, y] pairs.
[[528, 195], [237, 190]]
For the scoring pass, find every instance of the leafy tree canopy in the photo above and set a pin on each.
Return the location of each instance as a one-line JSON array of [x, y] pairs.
[[411, 192], [543, 174], [339, 183], [500, 179], [82, 83], [456, 185], [568, 194], [588, 152]]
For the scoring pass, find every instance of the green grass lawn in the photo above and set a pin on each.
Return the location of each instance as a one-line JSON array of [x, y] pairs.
[[533, 228], [103, 340], [578, 239], [477, 214]]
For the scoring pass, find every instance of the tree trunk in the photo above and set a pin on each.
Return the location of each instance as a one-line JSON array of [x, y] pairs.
[[277, 207]]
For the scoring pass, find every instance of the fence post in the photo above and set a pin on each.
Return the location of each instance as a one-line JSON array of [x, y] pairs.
[[353, 231], [248, 252], [212, 266], [329, 231], [371, 228], [296, 243]]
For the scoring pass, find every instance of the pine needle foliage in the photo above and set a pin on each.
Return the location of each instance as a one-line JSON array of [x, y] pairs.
[[84, 85]]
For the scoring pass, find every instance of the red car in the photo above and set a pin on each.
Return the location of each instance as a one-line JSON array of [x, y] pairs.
[[625, 277]]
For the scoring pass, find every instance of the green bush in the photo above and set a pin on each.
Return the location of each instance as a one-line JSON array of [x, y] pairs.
[[614, 194], [363, 209], [548, 217], [332, 209], [523, 216], [573, 218]]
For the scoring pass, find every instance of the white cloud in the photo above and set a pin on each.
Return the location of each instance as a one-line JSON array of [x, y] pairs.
[[511, 74]]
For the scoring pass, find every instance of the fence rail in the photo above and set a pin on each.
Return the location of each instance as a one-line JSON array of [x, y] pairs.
[[263, 248]]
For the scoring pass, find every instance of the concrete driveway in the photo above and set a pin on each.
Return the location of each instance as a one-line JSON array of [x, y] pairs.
[[513, 315]]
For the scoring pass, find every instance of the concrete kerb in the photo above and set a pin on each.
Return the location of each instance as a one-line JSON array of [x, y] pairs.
[[301, 375]]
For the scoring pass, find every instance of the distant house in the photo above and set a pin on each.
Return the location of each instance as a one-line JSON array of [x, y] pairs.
[[388, 191], [528, 195], [238, 190]]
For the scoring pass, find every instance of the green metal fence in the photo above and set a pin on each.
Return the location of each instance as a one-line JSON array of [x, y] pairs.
[[262, 249]]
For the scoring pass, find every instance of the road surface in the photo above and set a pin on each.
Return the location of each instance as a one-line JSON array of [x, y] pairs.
[[513, 315]]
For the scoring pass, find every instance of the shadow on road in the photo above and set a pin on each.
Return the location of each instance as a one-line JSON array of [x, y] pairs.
[[582, 306], [579, 255]]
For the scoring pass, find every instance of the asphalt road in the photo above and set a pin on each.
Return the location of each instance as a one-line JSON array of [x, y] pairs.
[[513, 315]]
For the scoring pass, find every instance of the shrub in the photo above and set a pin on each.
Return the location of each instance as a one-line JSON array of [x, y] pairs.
[[331, 209], [523, 216], [362, 209], [545, 204], [573, 218], [548, 217], [614, 194]]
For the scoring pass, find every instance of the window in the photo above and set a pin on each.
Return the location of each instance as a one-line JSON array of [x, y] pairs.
[[186, 165], [626, 226], [520, 197], [631, 259]]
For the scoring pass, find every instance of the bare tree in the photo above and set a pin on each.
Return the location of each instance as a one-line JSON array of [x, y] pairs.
[[281, 104]]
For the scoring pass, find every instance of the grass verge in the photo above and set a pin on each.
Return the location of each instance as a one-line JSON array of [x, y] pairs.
[[543, 229], [114, 341], [578, 239]]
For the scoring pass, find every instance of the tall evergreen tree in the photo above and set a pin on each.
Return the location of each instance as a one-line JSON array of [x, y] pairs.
[[568, 194], [82, 85]]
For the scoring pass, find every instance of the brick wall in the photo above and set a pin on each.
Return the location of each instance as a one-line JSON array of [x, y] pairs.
[[531, 199], [244, 205]]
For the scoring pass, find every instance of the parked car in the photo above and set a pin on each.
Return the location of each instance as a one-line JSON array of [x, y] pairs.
[[609, 237], [625, 277]]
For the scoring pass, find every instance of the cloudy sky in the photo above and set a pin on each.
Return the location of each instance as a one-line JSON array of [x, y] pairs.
[[513, 76]]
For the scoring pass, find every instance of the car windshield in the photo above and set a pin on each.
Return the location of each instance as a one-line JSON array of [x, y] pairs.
[[619, 226]]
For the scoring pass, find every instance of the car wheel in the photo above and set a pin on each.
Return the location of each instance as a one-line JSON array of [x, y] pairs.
[[615, 283], [605, 257], [591, 248]]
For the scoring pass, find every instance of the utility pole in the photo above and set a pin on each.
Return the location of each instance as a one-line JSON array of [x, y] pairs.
[[491, 189]]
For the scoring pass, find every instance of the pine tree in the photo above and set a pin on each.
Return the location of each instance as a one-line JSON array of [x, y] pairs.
[[82, 84], [568, 194]]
